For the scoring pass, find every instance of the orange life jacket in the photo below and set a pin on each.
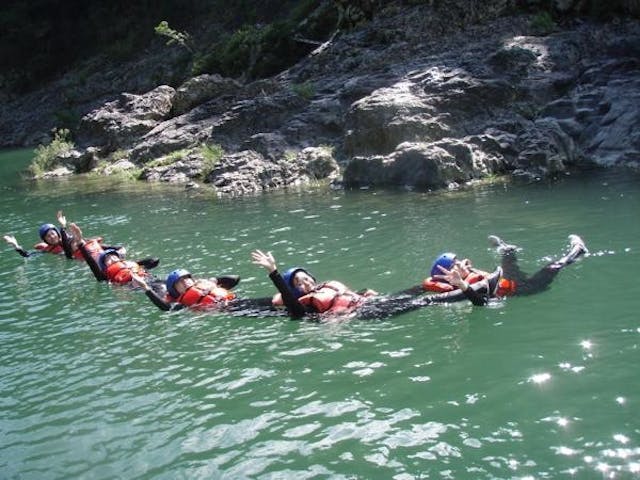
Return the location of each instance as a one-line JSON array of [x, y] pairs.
[[120, 271], [45, 247], [200, 298], [432, 285], [505, 288], [333, 297]]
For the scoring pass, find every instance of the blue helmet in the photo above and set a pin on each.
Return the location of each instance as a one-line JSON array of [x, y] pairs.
[[45, 227], [172, 278], [103, 255], [288, 279], [446, 260]]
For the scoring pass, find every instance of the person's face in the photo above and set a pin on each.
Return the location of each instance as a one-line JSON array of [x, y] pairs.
[[52, 237], [303, 282], [183, 284]]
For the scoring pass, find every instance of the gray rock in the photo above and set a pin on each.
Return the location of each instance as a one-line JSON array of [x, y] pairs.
[[201, 89], [121, 123], [431, 96]]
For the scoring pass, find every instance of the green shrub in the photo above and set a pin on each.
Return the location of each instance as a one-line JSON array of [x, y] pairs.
[[211, 155], [177, 155], [290, 156], [260, 50], [181, 38], [304, 90], [67, 117], [543, 24], [118, 155], [168, 159], [47, 156], [240, 50]]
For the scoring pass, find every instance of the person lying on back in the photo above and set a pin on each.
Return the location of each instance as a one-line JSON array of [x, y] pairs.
[[110, 264], [301, 294], [183, 290], [449, 273], [56, 241]]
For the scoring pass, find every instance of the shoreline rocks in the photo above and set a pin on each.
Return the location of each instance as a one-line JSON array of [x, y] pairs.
[[423, 111]]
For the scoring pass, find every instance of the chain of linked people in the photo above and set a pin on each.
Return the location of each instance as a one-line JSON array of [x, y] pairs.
[[299, 295]]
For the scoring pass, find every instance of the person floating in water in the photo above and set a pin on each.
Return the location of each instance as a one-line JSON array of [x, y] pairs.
[[183, 290], [448, 273], [302, 295], [110, 265], [57, 241]]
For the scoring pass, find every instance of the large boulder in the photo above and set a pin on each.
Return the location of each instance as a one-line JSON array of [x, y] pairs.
[[201, 89], [446, 163], [249, 172], [121, 123]]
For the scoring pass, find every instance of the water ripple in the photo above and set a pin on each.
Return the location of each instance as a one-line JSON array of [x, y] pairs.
[[96, 383]]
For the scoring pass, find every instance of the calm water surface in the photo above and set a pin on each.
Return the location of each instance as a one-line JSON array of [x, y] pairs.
[[96, 383]]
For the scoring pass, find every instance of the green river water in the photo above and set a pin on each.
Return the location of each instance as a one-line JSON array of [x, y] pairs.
[[97, 383]]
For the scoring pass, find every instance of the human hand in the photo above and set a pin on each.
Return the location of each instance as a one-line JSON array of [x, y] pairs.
[[138, 281], [75, 231], [62, 220], [464, 266], [264, 260], [11, 240], [453, 277]]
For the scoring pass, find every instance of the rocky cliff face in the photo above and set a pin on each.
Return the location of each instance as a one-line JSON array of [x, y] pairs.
[[418, 97]]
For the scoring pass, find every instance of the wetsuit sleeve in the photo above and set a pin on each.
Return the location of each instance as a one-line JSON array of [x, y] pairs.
[[160, 303], [93, 265], [66, 243], [294, 307], [228, 281], [24, 253], [476, 294], [148, 262]]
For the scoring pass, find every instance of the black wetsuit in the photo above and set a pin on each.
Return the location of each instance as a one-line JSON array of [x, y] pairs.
[[248, 307], [380, 307], [24, 253], [523, 284], [539, 281]]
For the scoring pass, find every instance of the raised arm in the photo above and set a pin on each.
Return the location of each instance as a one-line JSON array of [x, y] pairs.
[[69, 243], [11, 240], [474, 295], [265, 260], [93, 264]]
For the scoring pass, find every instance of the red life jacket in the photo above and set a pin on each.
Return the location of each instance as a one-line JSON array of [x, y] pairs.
[[195, 297], [45, 247], [332, 297], [431, 285], [94, 248], [120, 271]]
